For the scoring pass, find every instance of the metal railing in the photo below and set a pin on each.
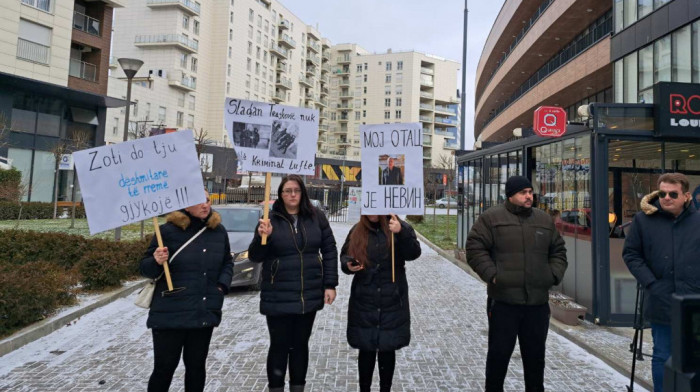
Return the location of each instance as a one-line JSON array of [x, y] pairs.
[[425, 118], [423, 94], [427, 71], [187, 3], [426, 106], [445, 120], [189, 82], [44, 5], [289, 40], [314, 59], [343, 59], [28, 50], [81, 69], [166, 39], [428, 83], [447, 109], [85, 23]]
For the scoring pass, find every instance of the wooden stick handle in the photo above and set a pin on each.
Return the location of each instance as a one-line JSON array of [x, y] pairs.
[[266, 208], [166, 269], [393, 272]]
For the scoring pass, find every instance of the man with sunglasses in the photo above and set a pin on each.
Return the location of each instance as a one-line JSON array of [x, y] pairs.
[[661, 251]]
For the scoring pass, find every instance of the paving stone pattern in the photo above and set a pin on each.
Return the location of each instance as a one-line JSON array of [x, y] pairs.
[[110, 348]]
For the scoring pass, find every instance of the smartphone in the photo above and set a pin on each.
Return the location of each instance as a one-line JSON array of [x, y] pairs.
[[354, 263]]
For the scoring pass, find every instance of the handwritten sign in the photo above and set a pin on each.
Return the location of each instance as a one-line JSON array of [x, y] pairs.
[[392, 169], [272, 138], [132, 181], [354, 204]]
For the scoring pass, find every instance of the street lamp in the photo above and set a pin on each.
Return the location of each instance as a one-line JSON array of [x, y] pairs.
[[130, 67]]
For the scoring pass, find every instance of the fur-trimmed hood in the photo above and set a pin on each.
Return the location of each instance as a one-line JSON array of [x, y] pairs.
[[648, 203], [182, 220]]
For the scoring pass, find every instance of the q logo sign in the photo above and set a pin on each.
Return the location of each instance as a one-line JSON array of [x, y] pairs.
[[549, 121]]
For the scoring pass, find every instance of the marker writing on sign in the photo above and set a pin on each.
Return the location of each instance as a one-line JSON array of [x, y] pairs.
[[402, 197], [398, 137], [140, 209], [235, 107], [182, 196]]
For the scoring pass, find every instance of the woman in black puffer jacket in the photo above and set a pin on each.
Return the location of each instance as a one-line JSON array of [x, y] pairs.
[[182, 321], [379, 318], [299, 275]]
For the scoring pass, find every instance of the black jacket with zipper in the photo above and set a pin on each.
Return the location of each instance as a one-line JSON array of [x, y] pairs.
[[379, 316], [201, 268], [298, 263]]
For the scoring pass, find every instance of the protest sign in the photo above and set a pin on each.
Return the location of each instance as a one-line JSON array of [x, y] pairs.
[[392, 169], [272, 138], [132, 181], [354, 204]]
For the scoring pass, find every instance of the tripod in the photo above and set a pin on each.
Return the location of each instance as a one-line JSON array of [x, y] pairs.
[[638, 339]]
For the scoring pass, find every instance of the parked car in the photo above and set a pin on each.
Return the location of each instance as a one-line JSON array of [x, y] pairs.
[[240, 222], [574, 221], [319, 205], [447, 201]]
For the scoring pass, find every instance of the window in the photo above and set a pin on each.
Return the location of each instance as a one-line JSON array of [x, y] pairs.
[[181, 100], [387, 114], [161, 115], [193, 65], [183, 60], [388, 65], [257, 52], [230, 34], [192, 102], [250, 31], [365, 79], [365, 66], [387, 79], [190, 121], [256, 85], [364, 113], [681, 56], [387, 102], [135, 112], [257, 68], [251, 15], [34, 42], [267, 25], [250, 48], [230, 17], [195, 27], [186, 22], [248, 65], [228, 70], [398, 101], [180, 119], [387, 90], [364, 90], [230, 52], [364, 101], [115, 129], [399, 65], [259, 20], [399, 78], [662, 60], [265, 55], [148, 110], [399, 90], [228, 87], [357, 116], [359, 67], [247, 81], [258, 36], [398, 114]]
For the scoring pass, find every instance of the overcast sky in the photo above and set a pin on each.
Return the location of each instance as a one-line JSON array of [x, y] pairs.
[[432, 27]]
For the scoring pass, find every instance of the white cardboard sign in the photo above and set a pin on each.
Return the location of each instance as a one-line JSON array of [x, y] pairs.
[[392, 169], [139, 179], [272, 138]]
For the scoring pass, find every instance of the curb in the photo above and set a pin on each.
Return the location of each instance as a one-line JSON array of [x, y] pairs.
[[554, 325], [45, 327]]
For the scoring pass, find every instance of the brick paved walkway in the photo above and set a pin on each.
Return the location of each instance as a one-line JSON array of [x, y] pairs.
[[110, 348]]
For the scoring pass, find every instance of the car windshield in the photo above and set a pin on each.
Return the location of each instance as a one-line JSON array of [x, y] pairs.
[[239, 219]]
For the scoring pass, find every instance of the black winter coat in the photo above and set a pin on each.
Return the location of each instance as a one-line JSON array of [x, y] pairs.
[[203, 267], [663, 254], [522, 249], [379, 316], [298, 265]]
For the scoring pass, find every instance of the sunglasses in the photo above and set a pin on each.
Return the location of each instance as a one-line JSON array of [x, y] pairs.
[[673, 194]]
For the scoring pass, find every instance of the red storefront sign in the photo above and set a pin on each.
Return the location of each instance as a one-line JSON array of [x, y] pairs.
[[549, 121]]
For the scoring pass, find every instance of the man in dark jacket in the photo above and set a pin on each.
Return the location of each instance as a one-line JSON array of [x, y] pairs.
[[661, 251], [518, 252]]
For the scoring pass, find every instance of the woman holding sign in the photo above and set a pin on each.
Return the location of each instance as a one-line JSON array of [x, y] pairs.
[[300, 273], [182, 320], [379, 319]]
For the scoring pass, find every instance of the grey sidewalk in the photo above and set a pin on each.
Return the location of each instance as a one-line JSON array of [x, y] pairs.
[[447, 352]]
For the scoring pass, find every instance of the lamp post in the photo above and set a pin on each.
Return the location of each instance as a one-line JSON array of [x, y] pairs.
[[130, 67]]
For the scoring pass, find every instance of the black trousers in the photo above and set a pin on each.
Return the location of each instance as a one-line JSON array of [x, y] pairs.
[[365, 365], [529, 324], [289, 344], [168, 346]]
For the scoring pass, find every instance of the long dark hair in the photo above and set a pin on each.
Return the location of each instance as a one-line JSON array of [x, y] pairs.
[[359, 237], [305, 208]]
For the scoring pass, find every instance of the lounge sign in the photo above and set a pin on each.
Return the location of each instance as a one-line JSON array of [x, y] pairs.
[[677, 108]]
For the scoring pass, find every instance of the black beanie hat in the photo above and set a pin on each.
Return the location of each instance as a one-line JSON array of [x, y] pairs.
[[516, 184]]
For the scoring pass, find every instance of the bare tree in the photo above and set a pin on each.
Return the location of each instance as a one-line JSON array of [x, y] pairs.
[[4, 130], [201, 139], [448, 162], [77, 141]]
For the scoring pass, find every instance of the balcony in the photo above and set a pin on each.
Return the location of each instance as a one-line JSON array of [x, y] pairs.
[[343, 142], [284, 83], [311, 70], [344, 82], [344, 106], [427, 155], [325, 56], [185, 83], [284, 24], [426, 83], [188, 6], [31, 51], [85, 23], [279, 96], [278, 51], [425, 119], [427, 141], [314, 59], [342, 71], [287, 41], [281, 66], [442, 132], [324, 91], [158, 40], [450, 146], [82, 70], [44, 5], [346, 94], [308, 82], [427, 71], [345, 118], [113, 63], [446, 109], [426, 107], [323, 128], [325, 68], [325, 79], [426, 95], [345, 59], [445, 120], [314, 47], [427, 131], [322, 102]]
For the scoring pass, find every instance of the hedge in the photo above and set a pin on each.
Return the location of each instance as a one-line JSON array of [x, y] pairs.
[[9, 184], [34, 210], [40, 272]]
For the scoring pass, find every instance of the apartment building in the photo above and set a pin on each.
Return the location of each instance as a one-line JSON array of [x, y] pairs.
[[197, 54], [53, 81], [391, 88]]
